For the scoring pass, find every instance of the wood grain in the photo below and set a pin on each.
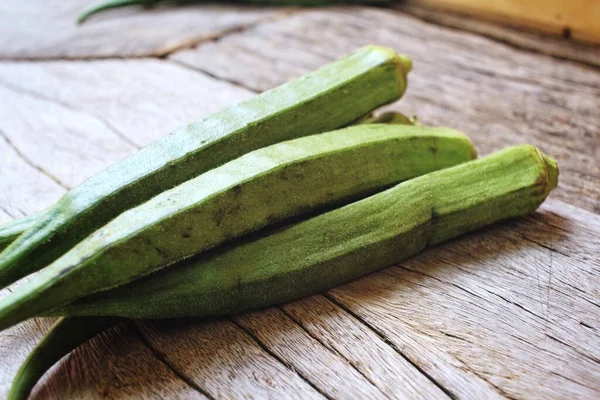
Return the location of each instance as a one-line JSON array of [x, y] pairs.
[[507, 304], [380, 363], [497, 94], [81, 145], [18, 199], [127, 32], [131, 99], [508, 312], [114, 363], [333, 374], [224, 360]]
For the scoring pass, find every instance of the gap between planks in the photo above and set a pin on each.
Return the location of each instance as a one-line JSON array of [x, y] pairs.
[[522, 39], [162, 359]]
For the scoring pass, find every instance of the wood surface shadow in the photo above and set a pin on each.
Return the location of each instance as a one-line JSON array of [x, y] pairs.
[[166, 354]]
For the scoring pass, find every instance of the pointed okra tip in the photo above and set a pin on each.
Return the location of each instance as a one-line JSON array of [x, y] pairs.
[[402, 64], [552, 169]]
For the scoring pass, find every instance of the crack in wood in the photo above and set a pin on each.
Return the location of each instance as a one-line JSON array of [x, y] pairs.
[[164, 52], [5, 210], [68, 106], [216, 36], [588, 356], [30, 163], [574, 381], [498, 390], [189, 67], [416, 271], [332, 350], [279, 359], [162, 359], [388, 342]]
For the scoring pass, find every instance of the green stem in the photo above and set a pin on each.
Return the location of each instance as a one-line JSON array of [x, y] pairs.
[[64, 336], [113, 4], [148, 3]]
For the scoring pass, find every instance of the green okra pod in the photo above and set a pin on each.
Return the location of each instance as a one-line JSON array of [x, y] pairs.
[[112, 4], [338, 246], [11, 230], [259, 189], [64, 336], [332, 97]]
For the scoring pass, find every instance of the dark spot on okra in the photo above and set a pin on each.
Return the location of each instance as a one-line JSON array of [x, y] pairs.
[[218, 217], [66, 270], [435, 215], [433, 149], [236, 190]]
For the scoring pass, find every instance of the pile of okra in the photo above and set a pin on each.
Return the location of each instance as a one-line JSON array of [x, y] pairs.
[[284, 195]]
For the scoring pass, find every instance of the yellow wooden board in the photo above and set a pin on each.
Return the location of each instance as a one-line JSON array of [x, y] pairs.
[[579, 19]]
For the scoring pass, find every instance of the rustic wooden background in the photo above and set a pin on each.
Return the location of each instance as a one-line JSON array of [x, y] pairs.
[[512, 311]]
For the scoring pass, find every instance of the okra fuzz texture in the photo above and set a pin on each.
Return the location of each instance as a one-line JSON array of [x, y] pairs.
[[338, 246], [259, 189]]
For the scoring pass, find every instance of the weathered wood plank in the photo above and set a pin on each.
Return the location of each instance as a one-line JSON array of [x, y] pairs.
[[23, 188], [129, 32], [81, 145], [555, 46], [335, 376], [131, 98], [381, 364], [225, 361], [114, 365], [498, 305], [497, 94], [511, 311]]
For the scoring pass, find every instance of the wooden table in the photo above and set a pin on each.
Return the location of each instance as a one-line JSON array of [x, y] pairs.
[[512, 311]]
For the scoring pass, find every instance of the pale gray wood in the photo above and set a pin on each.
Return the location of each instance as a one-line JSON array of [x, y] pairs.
[[332, 373], [69, 146], [114, 365], [509, 311], [515, 306], [224, 360], [44, 29], [24, 189], [138, 100], [497, 94], [381, 364]]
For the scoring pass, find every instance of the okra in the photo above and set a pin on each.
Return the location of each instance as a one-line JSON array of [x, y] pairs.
[[11, 230], [112, 4], [338, 246], [327, 99], [261, 188], [65, 335]]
